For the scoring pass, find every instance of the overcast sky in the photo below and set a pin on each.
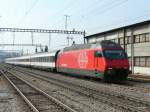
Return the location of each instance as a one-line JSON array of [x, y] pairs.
[[93, 16]]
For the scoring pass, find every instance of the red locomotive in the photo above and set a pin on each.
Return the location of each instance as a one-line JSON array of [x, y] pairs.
[[105, 60]]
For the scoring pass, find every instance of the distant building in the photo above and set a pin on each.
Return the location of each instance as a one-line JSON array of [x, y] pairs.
[[135, 39]]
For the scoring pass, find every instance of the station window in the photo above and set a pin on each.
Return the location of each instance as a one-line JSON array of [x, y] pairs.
[[113, 40], [147, 61], [142, 38], [129, 39], [129, 59], [125, 48], [136, 38], [116, 40], [126, 40], [142, 61], [136, 61], [121, 41], [147, 37]]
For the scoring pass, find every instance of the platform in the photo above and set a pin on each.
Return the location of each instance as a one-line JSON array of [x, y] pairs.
[[139, 77]]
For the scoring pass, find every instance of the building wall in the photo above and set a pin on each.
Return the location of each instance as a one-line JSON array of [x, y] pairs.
[[141, 45]]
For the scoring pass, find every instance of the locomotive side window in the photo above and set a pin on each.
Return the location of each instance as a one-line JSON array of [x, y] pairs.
[[98, 54]]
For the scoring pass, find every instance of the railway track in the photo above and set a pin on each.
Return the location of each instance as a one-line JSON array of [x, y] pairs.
[[113, 99], [37, 100]]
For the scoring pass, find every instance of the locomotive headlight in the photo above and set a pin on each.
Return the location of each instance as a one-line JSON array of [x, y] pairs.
[[110, 71]]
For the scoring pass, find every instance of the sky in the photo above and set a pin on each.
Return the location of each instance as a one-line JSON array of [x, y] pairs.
[[93, 16]]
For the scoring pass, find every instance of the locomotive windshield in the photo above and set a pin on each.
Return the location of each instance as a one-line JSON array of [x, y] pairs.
[[115, 54]]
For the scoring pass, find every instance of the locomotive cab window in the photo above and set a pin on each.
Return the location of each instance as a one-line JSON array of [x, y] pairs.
[[115, 54], [98, 54]]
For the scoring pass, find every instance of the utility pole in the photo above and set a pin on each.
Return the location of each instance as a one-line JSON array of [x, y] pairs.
[[66, 21], [66, 26], [69, 38], [49, 40], [32, 38], [13, 38]]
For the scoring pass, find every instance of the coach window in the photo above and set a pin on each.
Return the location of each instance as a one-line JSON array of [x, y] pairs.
[[41, 59], [45, 59], [34, 59], [37, 59], [51, 58], [48, 59]]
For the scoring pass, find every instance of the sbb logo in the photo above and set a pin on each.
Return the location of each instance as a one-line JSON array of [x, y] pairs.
[[82, 60]]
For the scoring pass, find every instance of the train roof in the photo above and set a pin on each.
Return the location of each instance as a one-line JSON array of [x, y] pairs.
[[106, 44], [45, 54], [77, 47]]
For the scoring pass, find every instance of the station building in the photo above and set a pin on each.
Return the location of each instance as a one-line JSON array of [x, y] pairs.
[[135, 39]]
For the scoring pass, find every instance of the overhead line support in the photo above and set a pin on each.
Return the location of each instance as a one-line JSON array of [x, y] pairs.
[[41, 31]]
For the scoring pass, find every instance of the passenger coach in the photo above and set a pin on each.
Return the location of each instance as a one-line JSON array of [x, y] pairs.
[[40, 60]]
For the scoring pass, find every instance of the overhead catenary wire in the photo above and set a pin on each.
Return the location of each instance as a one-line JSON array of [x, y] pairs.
[[60, 12], [28, 11], [111, 6], [105, 8], [131, 20], [99, 10]]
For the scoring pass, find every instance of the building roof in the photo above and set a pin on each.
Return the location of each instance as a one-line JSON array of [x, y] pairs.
[[115, 29]]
